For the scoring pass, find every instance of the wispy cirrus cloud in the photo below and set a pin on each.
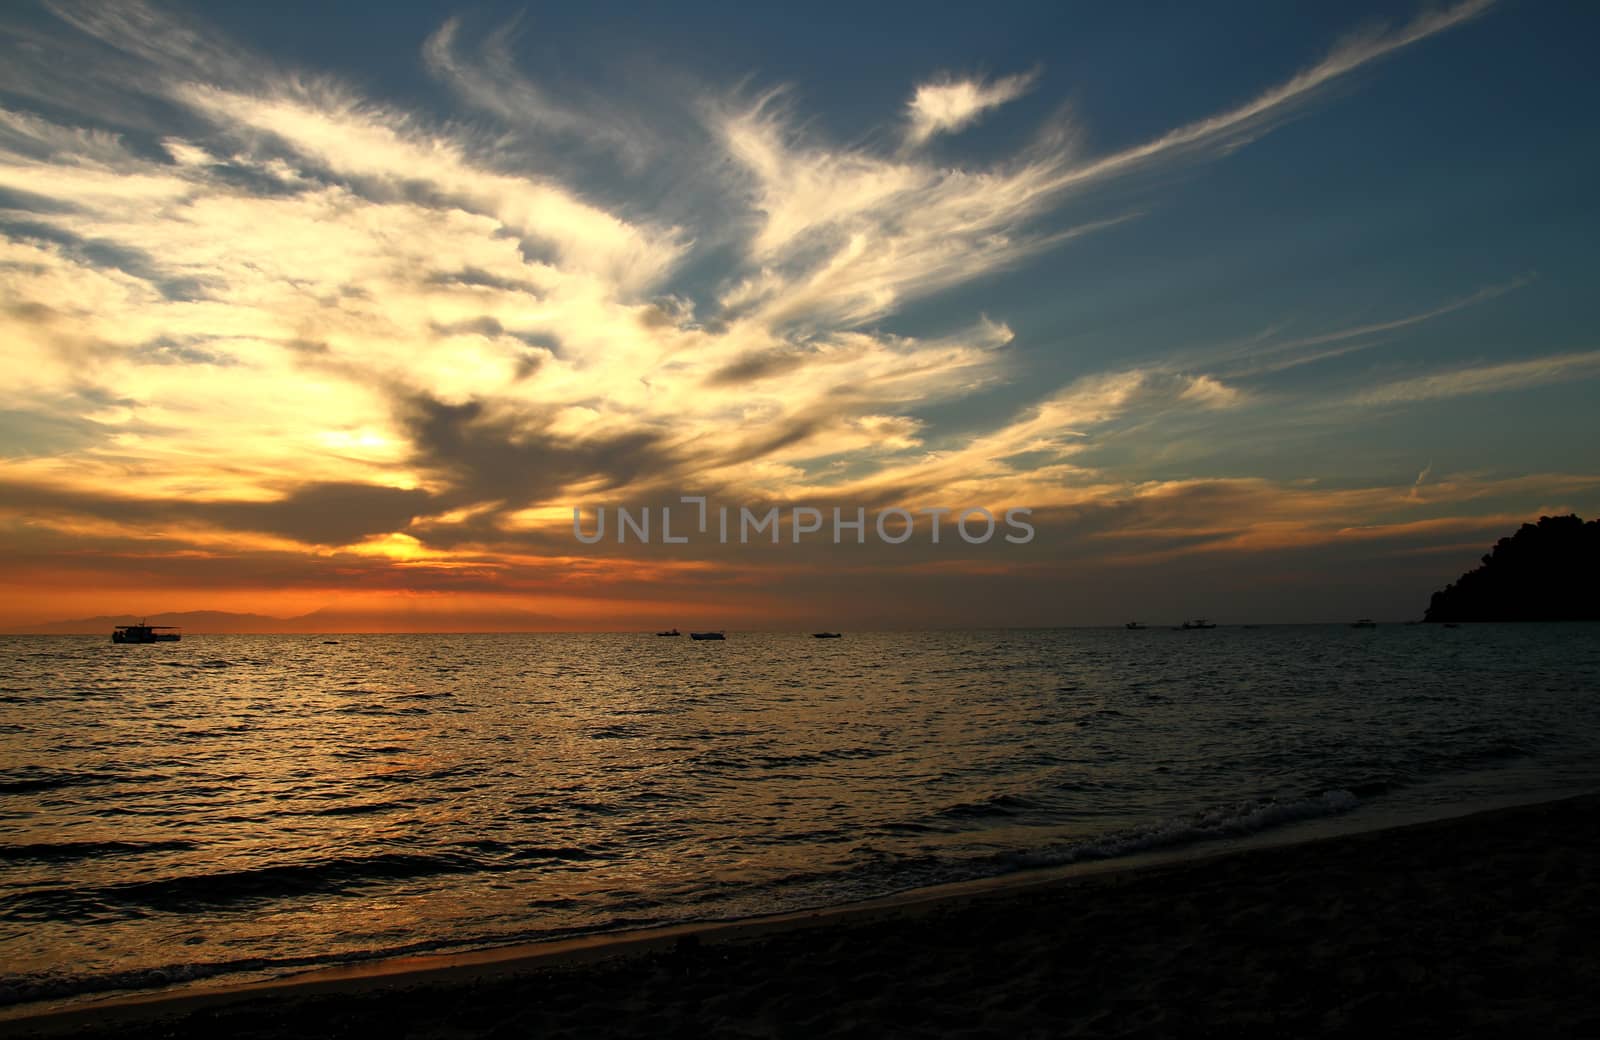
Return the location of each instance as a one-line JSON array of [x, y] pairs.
[[382, 152], [347, 293], [487, 78], [1270, 354], [1238, 126], [950, 105], [850, 235], [1498, 377], [1416, 485]]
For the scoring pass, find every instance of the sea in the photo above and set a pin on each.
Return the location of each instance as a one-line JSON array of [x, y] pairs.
[[228, 808]]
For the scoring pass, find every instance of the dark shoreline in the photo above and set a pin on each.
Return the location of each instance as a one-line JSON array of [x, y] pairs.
[[1477, 925]]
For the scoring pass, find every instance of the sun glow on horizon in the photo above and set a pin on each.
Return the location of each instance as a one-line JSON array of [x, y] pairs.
[[274, 340]]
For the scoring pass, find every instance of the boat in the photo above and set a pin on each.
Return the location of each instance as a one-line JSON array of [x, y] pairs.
[[706, 635], [670, 632], [143, 633], [1133, 626], [1365, 622], [825, 635], [1198, 622]]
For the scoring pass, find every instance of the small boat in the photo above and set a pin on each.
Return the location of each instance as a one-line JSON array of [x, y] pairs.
[[670, 632], [1451, 624], [143, 633], [706, 635], [825, 635], [1198, 622], [1133, 626], [1365, 622]]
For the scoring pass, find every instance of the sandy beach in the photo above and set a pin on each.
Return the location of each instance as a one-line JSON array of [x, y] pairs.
[[1474, 926]]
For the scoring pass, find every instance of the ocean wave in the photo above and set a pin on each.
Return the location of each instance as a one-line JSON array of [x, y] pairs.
[[1397, 769], [850, 754], [58, 985], [994, 805], [30, 779], [54, 852], [358, 809], [570, 784], [1233, 821], [221, 888], [618, 731]]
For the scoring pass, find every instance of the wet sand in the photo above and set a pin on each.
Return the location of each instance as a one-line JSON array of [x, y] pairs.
[[1485, 925]]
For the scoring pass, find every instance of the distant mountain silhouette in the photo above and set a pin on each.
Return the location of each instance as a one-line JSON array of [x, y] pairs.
[[1549, 571], [190, 620], [421, 619], [332, 621]]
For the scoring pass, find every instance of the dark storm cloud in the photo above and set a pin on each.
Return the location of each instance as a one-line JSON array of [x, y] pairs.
[[174, 350], [756, 366], [513, 457], [30, 311], [31, 432], [256, 182], [475, 276], [17, 200], [539, 340], [327, 514], [490, 327], [317, 513], [528, 365], [102, 253], [480, 326]]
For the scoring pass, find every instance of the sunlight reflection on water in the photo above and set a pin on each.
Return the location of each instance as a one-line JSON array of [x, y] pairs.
[[244, 802]]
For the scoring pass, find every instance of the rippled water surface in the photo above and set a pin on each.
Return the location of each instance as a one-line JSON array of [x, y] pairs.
[[242, 804]]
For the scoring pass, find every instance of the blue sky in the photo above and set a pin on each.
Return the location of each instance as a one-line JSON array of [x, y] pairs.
[[1297, 291]]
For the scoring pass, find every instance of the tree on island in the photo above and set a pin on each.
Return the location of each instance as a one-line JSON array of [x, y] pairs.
[[1548, 571]]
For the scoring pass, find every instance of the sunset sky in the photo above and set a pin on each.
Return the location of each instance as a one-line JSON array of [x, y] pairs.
[[1269, 312]]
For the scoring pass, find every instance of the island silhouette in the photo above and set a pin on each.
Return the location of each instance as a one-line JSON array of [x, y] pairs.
[[1547, 571]]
